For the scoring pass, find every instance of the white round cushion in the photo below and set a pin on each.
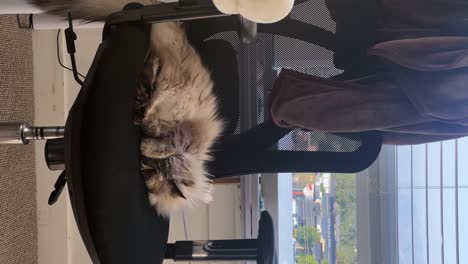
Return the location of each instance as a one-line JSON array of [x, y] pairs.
[[259, 11]]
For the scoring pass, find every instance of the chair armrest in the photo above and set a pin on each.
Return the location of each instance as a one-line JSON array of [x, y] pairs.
[[247, 161]]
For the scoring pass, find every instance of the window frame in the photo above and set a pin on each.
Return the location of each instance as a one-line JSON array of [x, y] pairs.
[[376, 209]]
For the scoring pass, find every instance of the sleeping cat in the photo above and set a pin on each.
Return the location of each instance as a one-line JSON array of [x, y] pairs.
[[175, 107]]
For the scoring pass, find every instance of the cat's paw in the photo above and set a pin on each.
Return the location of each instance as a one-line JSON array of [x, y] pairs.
[[157, 148], [174, 140]]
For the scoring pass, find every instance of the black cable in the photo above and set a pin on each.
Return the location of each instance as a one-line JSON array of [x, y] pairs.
[[76, 74], [30, 22], [58, 56], [71, 36]]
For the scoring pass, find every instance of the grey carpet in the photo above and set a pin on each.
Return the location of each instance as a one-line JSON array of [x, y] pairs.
[[18, 224]]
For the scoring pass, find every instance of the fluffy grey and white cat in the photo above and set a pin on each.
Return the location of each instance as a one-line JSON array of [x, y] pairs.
[[175, 107]]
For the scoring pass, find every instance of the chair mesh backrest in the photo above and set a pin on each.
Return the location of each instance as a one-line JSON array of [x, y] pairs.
[[261, 61]]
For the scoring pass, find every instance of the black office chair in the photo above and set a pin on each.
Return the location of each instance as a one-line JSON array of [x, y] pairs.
[[100, 153], [244, 96]]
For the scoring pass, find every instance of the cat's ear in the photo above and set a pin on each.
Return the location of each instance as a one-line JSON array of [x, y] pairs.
[[176, 190], [150, 163]]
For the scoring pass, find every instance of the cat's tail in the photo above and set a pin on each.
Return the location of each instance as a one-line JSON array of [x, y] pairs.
[[90, 10]]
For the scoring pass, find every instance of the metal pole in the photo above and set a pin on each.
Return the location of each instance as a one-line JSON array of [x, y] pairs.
[[22, 133]]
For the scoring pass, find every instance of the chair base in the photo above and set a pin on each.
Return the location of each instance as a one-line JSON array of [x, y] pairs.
[[261, 249]]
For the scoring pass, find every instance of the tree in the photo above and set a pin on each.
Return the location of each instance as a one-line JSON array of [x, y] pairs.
[[307, 259], [345, 192], [308, 235], [346, 209], [345, 255], [322, 189], [324, 261]]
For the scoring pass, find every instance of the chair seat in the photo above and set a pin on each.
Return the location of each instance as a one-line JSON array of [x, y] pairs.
[[107, 192], [106, 188]]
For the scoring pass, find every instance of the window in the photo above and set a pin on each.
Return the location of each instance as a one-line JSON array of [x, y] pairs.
[[406, 208], [324, 218], [431, 180], [413, 207]]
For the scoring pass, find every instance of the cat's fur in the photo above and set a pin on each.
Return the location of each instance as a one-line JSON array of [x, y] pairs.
[[175, 107]]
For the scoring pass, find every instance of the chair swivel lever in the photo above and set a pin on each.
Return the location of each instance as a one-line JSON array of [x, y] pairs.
[[58, 188]]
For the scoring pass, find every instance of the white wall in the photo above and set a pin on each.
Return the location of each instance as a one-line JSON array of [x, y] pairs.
[[49, 109], [218, 220], [278, 202], [55, 90]]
